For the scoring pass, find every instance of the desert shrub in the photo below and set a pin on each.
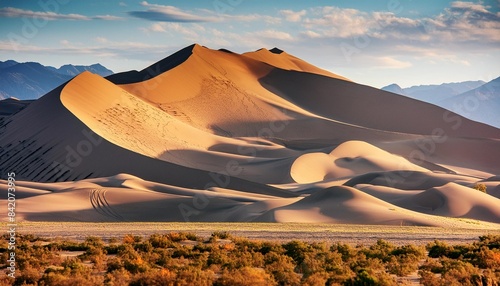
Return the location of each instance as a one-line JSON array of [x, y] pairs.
[[312, 263], [297, 250], [480, 187], [453, 272], [403, 265], [111, 249], [184, 252], [245, 262], [160, 241], [427, 278], [318, 278], [6, 281], [361, 262], [195, 276], [486, 258], [28, 276], [491, 241], [281, 267], [136, 265], [180, 236], [114, 264], [246, 276], [117, 277], [245, 244], [156, 277], [432, 265], [347, 251], [67, 279], [93, 241], [113, 240], [192, 236], [217, 256], [35, 256], [131, 239], [221, 235], [439, 249], [459, 273], [418, 251], [202, 248], [67, 246], [267, 247], [127, 251], [95, 255], [244, 259], [380, 250], [367, 277], [143, 247]]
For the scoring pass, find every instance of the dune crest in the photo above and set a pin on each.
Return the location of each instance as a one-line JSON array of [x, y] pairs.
[[347, 160]]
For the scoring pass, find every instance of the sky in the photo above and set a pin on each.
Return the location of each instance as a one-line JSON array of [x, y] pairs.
[[408, 42]]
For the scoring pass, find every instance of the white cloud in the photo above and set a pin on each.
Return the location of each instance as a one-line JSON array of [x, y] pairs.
[[461, 22], [101, 40], [391, 63], [157, 27], [18, 13], [311, 34], [292, 16], [478, 7], [11, 12], [181, 28], [273, 34], [251, 18], [163, 13], [107, 17]]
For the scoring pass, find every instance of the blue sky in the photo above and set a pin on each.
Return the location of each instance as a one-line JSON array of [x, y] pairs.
[[408, 42]]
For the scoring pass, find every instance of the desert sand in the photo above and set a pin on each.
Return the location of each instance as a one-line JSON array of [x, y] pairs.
[[211, 135]]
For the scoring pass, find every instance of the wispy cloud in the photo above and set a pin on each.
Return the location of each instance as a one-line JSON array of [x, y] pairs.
[[293, 16], [103, 48], [273, 34], [162, 13], [250, 18], [107, 17], [165, 27], [461, 22], [11, 12], [390, 63]]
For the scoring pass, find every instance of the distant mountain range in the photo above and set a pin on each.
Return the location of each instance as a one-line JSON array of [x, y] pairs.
[[476, 100], [31, 80]]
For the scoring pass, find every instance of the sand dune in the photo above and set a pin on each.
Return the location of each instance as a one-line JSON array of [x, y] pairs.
[[211, 135], [348, 205], [347, 160], [281, 59], [128, 198]]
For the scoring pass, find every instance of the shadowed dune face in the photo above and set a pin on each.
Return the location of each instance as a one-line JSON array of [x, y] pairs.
[[369, 107], [207, 135]]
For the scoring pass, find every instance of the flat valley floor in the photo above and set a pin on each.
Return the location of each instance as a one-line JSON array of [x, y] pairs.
[[329, 233]]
